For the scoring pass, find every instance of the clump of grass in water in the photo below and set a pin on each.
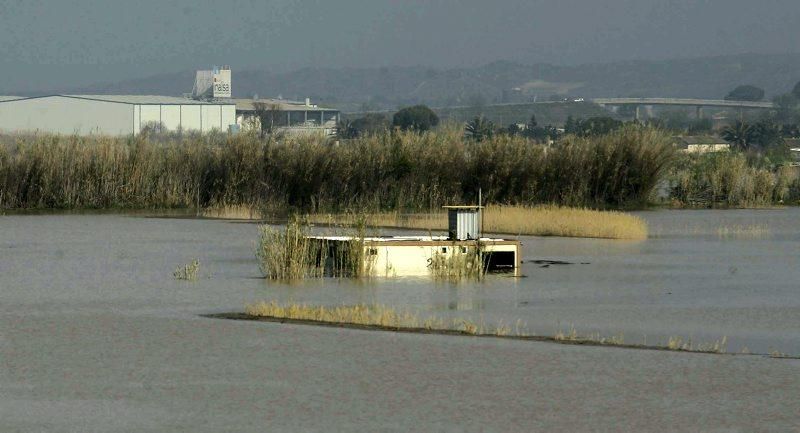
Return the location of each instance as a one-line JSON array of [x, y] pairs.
[[187, 272], [752, 231], [571, 335], [460, 261], [292, 253], [289, 254], [678, 343]]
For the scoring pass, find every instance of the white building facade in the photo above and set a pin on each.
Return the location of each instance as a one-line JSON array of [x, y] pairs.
[[114, 115]]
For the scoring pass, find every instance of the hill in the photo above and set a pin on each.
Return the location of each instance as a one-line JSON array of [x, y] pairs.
[[361, 89]]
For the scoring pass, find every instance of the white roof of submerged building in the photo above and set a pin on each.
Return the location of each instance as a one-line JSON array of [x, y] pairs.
[[410, 239], [126, 99]]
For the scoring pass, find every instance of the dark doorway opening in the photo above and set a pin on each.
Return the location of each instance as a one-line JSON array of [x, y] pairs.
[[499, 261]]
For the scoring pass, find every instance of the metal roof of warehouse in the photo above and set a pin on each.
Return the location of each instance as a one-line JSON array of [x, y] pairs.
[[128, 99], [281, 105]]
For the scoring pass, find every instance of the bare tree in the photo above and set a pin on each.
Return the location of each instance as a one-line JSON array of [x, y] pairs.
[[268, 116]]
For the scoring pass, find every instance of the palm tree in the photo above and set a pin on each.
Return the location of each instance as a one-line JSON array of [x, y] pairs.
[[479, 128], [739, 134]]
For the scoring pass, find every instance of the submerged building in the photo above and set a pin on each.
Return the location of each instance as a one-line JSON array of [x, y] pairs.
[[464, 251]]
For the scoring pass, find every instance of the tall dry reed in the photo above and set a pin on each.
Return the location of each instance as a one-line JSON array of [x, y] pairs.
[[732, 180], [292, 252], [392, 170]]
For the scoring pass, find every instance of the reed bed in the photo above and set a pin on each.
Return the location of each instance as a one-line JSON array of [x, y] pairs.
[[546, 220], [726, 179], [233, 212], [376, 315], [288, 253], [387, 171], [561, 221]]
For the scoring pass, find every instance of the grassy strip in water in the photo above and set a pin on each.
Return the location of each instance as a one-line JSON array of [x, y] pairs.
[[380, 317]]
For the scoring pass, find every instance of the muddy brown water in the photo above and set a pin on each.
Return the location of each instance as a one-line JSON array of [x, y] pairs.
[[96, 335]]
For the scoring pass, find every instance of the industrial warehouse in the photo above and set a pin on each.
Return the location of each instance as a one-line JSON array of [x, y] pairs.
[[208, 108], [112, 114]]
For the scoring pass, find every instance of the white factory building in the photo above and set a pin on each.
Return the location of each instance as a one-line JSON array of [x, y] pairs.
[[114, 115], [207, 108]]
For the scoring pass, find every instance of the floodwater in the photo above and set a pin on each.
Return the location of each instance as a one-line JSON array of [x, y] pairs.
[[96, 334]]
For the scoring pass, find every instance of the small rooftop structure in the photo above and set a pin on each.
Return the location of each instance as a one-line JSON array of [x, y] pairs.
[[212, 84], [794, 150], [463, 222], [701, 144]]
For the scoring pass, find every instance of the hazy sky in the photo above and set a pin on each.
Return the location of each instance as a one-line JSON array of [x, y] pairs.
[[53, 43]]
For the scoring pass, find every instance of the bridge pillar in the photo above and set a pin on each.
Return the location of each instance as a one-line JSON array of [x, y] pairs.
[[637, 113], [699, 111]]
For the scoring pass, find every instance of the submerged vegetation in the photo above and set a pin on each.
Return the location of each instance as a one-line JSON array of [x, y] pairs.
[[291, 253], [387, 318], [187, 272], [468, 263], [743, 231]]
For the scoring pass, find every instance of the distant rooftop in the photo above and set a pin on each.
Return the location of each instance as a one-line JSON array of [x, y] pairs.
[[402, 239], [128, 99], [279, 104], [794, 143], [147, 99], [699, 139]]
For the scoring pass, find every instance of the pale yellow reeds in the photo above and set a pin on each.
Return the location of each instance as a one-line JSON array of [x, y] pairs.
[[360, 314], [291, 253], [233, 212], [522, 220]]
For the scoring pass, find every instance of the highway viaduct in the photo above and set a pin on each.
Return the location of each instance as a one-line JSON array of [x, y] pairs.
[[697, 103]]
